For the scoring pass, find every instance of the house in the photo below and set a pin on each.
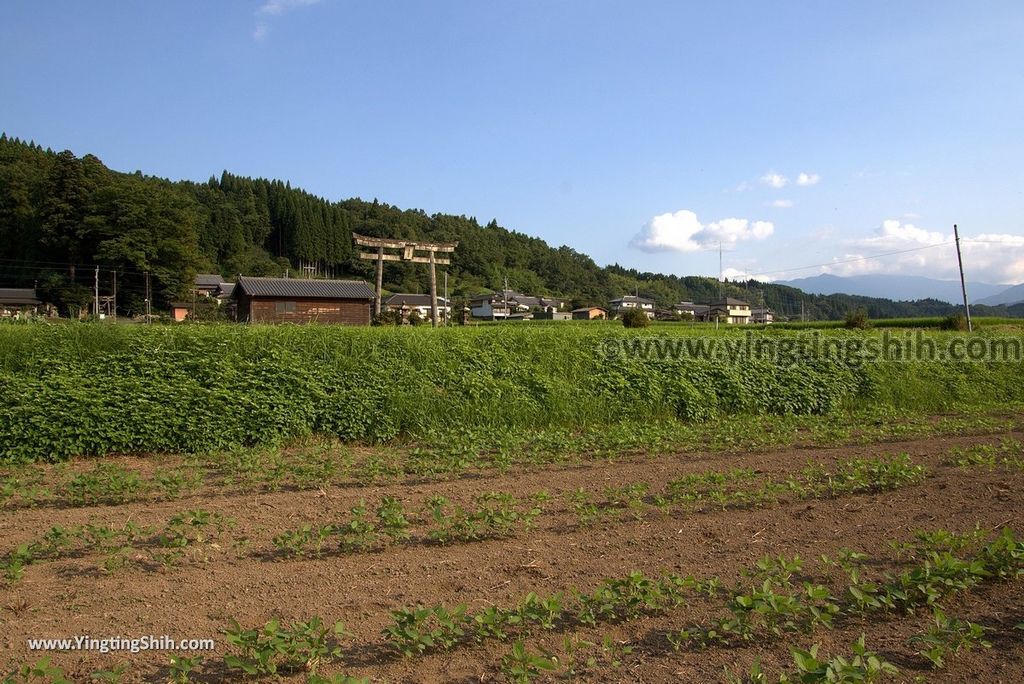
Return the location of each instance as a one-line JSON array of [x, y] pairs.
[[552, 316], [762, 315], [623, 304], [17, 300], [291, 300], [207, 284], [589, 313], [508, 303], [699, 312], [406, 303], [729, 310]]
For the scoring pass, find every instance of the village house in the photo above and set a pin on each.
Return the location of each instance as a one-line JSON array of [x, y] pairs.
[[762, 315], [406, 303], [18, 301], [589, 313], [698, 312], [729, 310], [509, 304], [624, 304], [291, 300], [208, 284]]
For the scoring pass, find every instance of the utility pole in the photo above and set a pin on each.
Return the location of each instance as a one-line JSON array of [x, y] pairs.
[[96, 294], [149, 307], [504, 298], [963, 283], [113, 294], [719, 269], [447, 304]]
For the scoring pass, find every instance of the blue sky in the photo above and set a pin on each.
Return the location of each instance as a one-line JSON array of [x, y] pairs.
[[642, 133]]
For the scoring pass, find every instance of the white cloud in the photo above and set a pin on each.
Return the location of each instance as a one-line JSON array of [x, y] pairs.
[[735, 274], [275, 8], [806, 179], [682, 231], [997, 258], [774, 180], [781, 203]]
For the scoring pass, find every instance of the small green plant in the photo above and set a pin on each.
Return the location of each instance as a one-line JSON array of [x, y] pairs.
[[948, 636], [114, 675], [544, 612], [359, 533], [182, 667], [864, 666], [106, 483], [522, 667], [172, 484], [391, 519], [43, 671], [273, 648], [587, 512], [307, 540], [495, 623], [415, 630]]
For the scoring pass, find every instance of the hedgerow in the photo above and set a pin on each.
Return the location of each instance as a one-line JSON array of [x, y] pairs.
[[70, 390]]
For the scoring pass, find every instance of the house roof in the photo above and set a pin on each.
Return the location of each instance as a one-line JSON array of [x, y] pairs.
[[409, 299], [18, 295], [209, 279], [632, 298], [588, 308], [729, 301], [516, 298], [225, 289], [300, 288]]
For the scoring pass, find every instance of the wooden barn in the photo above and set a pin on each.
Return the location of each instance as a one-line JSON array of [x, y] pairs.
[[290, 300]]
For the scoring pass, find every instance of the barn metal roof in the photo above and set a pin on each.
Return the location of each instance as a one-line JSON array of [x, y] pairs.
[[299, 288], [410, 299]]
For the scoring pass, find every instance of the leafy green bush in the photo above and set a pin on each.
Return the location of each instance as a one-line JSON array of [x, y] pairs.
[[79, 389], [857, 320], [635, 318]]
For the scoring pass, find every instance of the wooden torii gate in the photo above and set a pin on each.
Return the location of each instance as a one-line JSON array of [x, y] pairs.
[[407, 249]]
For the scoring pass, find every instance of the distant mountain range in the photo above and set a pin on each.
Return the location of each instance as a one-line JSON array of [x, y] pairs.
[[909, 288]]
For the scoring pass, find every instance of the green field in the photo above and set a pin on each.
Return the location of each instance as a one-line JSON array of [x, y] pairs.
[[94, 389]]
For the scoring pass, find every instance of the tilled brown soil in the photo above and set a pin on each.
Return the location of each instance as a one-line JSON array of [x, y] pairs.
[[242, 579]]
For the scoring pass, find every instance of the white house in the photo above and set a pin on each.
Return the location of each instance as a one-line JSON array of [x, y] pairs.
[[624, 304], [504, 304], [406, 303]]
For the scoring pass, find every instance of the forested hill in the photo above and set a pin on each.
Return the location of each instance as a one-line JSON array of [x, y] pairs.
[[62, 215]]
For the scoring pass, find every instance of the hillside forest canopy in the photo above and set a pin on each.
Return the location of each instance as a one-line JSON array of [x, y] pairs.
[[62, 215]]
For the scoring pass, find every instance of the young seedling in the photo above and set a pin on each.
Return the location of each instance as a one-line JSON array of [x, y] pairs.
[[948, 636], [522, 667], [182, 667]]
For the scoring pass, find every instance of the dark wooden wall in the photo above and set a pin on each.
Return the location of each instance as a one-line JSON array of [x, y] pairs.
[[295, 310]]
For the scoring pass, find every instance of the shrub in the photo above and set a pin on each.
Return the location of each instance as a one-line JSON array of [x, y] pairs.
[[857, 319], [635, 318], [955, 321]]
